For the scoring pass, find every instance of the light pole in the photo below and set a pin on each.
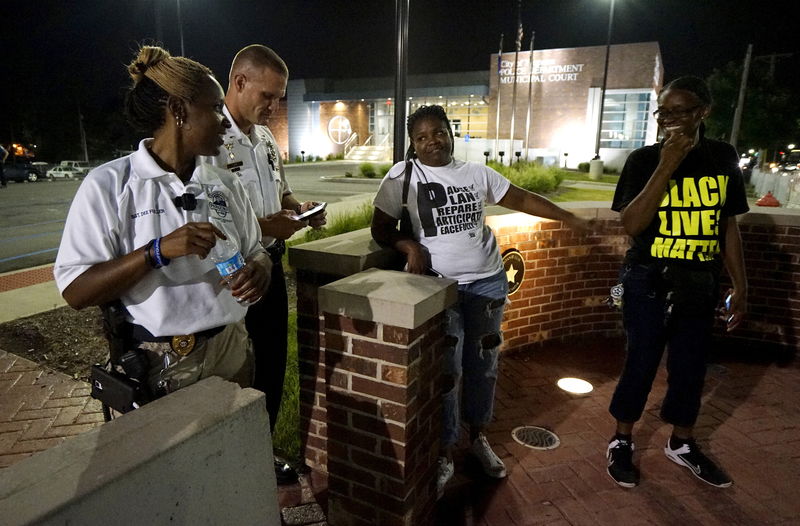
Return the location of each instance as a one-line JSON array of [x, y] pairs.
[[180, 25], [605, 79], [401, 14]]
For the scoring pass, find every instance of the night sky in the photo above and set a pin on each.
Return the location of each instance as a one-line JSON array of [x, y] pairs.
[[59, 54]]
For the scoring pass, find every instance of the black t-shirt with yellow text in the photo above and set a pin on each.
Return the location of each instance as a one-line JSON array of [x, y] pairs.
[[705, 190]]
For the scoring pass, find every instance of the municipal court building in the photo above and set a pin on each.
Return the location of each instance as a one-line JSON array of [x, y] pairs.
[[549, 103]]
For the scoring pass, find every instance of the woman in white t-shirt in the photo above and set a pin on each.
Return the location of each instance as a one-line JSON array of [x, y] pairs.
[[139, 232], [445, 200]]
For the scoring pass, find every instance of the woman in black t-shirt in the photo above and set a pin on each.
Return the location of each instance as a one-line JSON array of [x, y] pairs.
[[678, 200]]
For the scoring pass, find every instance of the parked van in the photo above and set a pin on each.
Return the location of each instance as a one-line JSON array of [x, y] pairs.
[[82, 167]]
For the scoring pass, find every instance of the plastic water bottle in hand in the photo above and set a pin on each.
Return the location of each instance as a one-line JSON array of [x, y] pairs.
[[228, 260]]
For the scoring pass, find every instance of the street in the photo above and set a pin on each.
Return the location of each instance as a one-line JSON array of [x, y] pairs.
[[32, 215]]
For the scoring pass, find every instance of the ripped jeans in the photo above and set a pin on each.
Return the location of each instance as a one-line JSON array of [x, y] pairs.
[[472, 342]]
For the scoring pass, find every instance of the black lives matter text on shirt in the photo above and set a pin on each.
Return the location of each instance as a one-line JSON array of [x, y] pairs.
[[689, 217]]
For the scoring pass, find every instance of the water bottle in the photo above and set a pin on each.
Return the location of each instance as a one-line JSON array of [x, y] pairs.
[[228, 260]]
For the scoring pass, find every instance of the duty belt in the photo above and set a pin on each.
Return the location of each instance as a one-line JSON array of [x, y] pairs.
[[276, 250], [181, 344]]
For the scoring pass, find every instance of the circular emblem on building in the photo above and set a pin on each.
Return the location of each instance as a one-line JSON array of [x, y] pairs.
[[339, 129], [514, 266]]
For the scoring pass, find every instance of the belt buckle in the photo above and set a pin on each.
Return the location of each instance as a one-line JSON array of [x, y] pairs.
[[183, 344]]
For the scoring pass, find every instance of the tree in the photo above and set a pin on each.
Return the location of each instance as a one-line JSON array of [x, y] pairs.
[[770, 118]]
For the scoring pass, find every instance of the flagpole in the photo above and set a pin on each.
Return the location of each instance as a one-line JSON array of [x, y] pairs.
[[530, 93], [514, 89], [497, 121]]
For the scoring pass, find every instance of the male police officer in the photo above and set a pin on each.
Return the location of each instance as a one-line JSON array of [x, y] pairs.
[[256, 83]]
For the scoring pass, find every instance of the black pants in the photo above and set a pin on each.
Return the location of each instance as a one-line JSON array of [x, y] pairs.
[[266, 322], [650, 326], [2, 175]]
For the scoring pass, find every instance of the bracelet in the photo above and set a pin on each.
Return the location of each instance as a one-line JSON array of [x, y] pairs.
[[148, 256], [161, 261]]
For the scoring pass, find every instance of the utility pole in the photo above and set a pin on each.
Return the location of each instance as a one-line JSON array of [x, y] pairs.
[[401, 70], [83, 134], [737, 115]]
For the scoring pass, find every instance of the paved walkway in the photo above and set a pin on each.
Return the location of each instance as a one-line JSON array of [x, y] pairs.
[[750, 423]]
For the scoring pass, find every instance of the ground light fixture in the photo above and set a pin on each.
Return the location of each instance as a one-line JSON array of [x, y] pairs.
[[575, 385]]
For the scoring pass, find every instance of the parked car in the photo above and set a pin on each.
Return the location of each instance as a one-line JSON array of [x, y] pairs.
[[62, 172], [18, 169], [82, 167]]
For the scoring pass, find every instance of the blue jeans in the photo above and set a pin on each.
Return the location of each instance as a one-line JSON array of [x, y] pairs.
[[650, 326], [473, 341]]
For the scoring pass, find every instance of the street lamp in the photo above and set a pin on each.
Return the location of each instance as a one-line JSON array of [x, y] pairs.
[[180, 26], [605, 79]]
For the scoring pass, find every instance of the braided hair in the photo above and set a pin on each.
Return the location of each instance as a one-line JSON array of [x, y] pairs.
[[427, 112], [156, 75], [695, 86]]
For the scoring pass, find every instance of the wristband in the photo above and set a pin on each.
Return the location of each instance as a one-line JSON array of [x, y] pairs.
[[148, 255], [161, 261]]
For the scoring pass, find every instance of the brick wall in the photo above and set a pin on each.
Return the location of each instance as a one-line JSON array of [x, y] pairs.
[[311, 357], [772, 258], [384, 417], [567, 279]]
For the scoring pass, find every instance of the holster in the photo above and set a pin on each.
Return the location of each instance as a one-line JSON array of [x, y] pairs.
[[121, 383]]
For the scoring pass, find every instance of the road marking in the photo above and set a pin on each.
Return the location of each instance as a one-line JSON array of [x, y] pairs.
[[30, 236], [12, 258]]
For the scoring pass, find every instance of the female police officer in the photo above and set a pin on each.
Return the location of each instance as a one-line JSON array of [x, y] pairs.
[[139, 230]]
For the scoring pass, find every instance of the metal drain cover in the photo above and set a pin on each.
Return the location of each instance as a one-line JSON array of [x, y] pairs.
[[535, 437]]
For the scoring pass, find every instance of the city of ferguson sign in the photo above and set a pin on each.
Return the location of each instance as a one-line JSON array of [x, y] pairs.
[[543, 71]]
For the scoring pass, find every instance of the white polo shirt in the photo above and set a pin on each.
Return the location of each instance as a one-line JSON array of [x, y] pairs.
[[255, 159], [122, 205]]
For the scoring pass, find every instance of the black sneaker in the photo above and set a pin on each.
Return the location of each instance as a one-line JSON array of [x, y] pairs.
[[702, 467], [620, 463], [285, 474]]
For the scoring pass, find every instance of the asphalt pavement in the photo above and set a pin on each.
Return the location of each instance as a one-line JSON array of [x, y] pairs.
[[32, 215]]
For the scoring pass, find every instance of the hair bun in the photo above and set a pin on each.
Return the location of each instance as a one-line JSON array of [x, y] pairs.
[[147, 57]]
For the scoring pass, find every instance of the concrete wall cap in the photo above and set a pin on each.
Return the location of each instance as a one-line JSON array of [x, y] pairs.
[[388, 296]]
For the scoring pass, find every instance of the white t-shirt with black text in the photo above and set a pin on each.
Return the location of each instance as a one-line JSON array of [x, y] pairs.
[[446, 204]]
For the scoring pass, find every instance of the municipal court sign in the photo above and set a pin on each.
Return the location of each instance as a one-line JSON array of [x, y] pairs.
[[547, 70]]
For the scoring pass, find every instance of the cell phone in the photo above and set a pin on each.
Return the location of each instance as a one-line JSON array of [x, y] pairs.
[[311, 212], [433, 272], [728, 308]]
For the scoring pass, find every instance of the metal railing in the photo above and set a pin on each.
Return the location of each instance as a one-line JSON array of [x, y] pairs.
[[350, 143]]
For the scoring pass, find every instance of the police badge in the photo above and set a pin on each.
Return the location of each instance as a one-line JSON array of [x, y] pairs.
[[234, 165], [272, 155]]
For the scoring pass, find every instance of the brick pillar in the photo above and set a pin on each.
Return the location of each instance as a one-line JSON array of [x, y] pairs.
[[382, 361], [316, 264]]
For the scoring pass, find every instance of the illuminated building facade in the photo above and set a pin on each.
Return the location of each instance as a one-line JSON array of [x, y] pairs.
[[324, 117]]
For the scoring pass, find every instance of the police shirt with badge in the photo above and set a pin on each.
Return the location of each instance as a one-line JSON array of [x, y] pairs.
[[122, 205], [254, 160]]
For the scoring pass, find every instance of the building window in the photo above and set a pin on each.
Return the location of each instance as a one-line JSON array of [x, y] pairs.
[[625, 118]]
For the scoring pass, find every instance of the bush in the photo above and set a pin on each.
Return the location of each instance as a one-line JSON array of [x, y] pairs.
[[298, 159], [334, 157], [367, 170], [348, 174], [531, 176], [583, 167]]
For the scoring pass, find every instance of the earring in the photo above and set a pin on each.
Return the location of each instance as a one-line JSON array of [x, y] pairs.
[[179, 121]]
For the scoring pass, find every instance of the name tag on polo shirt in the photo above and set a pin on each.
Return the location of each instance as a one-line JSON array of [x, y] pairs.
[[234, 167]]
